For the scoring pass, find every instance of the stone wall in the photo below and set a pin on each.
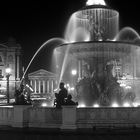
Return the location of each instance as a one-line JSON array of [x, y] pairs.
[[69, 117]]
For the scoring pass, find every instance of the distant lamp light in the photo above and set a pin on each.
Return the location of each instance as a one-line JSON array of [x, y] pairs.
[[96, 105], [74, 72]]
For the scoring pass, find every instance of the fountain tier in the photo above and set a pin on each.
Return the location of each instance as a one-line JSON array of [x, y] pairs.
[[105, 69]]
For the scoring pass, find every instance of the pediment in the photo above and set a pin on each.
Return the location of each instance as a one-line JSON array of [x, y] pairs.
[[41, 73]]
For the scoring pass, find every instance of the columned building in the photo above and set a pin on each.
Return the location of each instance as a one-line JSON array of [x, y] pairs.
[[43, 82], [10, 57]]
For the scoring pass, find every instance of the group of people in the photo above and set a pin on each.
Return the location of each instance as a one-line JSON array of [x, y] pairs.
[[63, 98]]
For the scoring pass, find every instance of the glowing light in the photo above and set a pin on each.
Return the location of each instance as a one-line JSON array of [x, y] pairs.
[[115, 104], [96, 105], [29, 87], [55, 90], [68, 85], [74, 72], [128, 87], [8, 70], [44, 104], [95, 2], [82, 105], [135, 104], [122, 85], [126, 104], [72, 88]]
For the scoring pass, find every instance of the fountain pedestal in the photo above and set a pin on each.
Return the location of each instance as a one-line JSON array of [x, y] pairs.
[[20, 115], [69, 118]]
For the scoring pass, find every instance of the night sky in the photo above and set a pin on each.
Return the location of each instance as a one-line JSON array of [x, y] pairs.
[[34, 23]]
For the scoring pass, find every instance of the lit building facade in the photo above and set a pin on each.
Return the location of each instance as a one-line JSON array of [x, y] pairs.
[[43, 82], [10, 57]]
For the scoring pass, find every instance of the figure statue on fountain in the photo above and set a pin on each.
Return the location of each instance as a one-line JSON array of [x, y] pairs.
[[103, 89]]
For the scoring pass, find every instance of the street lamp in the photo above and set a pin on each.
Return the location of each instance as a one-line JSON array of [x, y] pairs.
[[8, 73], [74, 72]]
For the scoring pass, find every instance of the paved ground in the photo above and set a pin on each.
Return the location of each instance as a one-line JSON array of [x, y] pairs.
[[56, 134]]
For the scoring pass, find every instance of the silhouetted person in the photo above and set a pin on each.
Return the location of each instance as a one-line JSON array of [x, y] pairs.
[[69, 101], [61, 96]]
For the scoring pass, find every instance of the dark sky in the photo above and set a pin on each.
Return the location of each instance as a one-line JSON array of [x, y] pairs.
[[34, 23]]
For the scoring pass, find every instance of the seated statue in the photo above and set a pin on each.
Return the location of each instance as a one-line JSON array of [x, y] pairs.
[[69, 101]]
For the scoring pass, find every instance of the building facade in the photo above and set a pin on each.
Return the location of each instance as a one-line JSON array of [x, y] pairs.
[[43, 82], [10, 57]]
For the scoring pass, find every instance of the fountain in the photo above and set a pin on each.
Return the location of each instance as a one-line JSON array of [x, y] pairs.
[[104, 58]]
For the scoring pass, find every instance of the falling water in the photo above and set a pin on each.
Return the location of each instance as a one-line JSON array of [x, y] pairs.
[[127, 34]]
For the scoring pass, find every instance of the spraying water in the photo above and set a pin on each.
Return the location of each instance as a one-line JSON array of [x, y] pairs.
[[60, 41]]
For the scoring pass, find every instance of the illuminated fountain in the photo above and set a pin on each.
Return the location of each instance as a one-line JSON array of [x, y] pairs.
[[98, 62], [105, 60]]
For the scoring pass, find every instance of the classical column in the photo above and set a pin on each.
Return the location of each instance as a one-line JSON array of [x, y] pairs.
[[44, 86], [48, 86], [52, 87], [39, 84], [17, 67], [35, 86]]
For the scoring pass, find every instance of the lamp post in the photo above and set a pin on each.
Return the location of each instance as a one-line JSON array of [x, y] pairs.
[[8, 71]]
